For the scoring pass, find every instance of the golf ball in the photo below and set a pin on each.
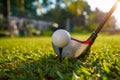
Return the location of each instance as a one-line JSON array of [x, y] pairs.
[[60, 38]]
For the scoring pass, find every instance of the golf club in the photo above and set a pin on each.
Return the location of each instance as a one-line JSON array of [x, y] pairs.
[[77, 48]]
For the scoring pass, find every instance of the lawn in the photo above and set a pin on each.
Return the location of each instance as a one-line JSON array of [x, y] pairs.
[[34, 59]]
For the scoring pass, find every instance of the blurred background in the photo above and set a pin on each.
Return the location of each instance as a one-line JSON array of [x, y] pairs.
[[42, 17]]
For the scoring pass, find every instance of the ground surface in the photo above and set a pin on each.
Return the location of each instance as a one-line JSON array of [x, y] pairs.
[[34, 59]]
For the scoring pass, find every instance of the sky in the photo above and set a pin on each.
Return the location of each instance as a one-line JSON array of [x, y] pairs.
[[105, 6]]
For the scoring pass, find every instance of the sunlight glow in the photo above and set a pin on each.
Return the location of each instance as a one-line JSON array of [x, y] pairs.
[[105, 5], [117, 15]]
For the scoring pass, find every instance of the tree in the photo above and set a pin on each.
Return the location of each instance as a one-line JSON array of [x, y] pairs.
[[6, 11], [73, 11], [23, 7], [77, 9], [30, 9], [96, 17]]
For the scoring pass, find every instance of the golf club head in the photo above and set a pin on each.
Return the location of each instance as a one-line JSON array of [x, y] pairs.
[[74, 49]]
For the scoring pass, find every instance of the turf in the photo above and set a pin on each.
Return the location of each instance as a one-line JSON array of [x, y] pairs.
[[34, 59]]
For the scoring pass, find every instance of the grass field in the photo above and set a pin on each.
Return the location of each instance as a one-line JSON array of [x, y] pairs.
[[34, 59]]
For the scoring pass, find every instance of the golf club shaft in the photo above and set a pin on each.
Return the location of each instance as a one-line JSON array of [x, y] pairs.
[[94, 34]]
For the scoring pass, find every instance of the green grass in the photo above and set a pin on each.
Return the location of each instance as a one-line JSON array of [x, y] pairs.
[[34, 59]]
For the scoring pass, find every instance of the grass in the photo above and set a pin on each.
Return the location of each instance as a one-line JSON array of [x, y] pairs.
[[34, 59]]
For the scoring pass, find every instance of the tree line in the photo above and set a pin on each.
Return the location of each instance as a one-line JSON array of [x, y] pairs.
[[69, 14]]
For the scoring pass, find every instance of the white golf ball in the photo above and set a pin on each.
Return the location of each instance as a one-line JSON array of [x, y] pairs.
[[60, 38]]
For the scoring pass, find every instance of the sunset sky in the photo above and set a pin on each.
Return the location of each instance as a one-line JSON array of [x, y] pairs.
[[105, 6]]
